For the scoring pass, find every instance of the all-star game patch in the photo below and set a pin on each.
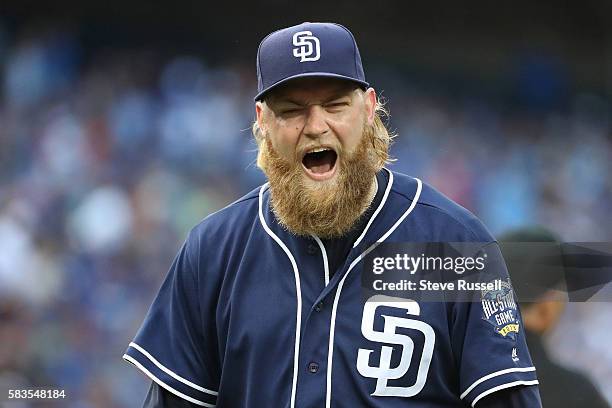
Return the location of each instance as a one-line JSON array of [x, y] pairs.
[[500, 310]]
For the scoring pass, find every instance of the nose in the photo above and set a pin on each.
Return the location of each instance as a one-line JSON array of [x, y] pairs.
[[316, 123]]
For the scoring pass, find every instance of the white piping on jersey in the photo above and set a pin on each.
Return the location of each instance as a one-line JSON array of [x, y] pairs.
[[170, 372], [325, 262], [330, 353], [296, 273], [495, 374], [164, 385], [503, 387], [380, 206]]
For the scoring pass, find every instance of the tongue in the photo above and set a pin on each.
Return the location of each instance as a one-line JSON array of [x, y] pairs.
[[319, 162], [322, 168]]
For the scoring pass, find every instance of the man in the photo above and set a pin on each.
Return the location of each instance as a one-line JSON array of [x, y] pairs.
[[264, 307], [535, 263]]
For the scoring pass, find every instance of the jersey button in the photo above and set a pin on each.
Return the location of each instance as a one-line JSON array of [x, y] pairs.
[[319, 307], [312, 249], [313, 367]]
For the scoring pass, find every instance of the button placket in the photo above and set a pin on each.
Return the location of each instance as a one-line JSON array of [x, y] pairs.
[[311, 249], [313, 367]]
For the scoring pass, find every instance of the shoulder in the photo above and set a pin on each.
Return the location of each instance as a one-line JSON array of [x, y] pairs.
[[585, 392], [435, 210], [226, 225], [239, 213]]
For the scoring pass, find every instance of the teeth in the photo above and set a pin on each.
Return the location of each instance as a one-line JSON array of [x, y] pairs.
[[318, 149]]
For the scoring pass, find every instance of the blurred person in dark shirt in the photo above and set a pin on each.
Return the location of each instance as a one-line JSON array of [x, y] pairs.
[[18, 370], [534, 259]]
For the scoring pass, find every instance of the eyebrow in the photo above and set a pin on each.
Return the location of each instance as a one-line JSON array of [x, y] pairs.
[[332, 97]]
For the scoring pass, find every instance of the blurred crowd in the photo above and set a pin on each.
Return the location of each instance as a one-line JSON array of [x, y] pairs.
[[108, 157]]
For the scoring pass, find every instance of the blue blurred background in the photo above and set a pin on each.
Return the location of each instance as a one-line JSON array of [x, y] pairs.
[[122, 126]]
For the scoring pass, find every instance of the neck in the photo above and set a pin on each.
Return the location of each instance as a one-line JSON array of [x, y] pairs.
[[372, 193]]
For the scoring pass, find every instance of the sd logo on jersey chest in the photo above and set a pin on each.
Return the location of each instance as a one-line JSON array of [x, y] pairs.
[[385, 370]]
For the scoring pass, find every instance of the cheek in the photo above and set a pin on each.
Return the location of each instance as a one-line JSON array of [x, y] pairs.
[[350, 135], [285, 141], [349, 129]]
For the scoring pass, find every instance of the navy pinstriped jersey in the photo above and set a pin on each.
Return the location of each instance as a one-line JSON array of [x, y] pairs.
[[249, 316]]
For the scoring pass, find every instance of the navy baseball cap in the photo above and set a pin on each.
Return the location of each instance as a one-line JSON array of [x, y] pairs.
[[308, 50]]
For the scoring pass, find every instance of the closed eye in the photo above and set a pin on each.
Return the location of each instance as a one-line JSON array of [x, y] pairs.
[[290, 112], [336, 106]]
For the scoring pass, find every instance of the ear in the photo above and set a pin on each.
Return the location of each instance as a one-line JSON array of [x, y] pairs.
[[259, 111], [370, 104], [543, 315]]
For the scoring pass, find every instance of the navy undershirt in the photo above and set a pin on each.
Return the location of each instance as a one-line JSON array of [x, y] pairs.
[[339, 248]]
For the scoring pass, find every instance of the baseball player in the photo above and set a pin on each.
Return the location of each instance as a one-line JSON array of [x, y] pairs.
[[264, 304]]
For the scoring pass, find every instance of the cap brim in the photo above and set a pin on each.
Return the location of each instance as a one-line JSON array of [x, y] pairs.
[[261, 94]]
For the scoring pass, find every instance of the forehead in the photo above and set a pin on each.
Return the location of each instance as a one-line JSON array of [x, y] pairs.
[[311, 89]]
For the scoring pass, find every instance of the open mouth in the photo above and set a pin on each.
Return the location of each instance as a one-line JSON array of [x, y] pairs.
[[320, 163]]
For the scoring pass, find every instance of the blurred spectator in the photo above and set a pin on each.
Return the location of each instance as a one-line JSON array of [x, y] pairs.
[[538, 278]]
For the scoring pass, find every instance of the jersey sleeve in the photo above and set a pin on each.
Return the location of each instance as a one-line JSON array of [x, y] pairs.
[[159, 397], [176, 344], [488, 337], [514, 397]]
